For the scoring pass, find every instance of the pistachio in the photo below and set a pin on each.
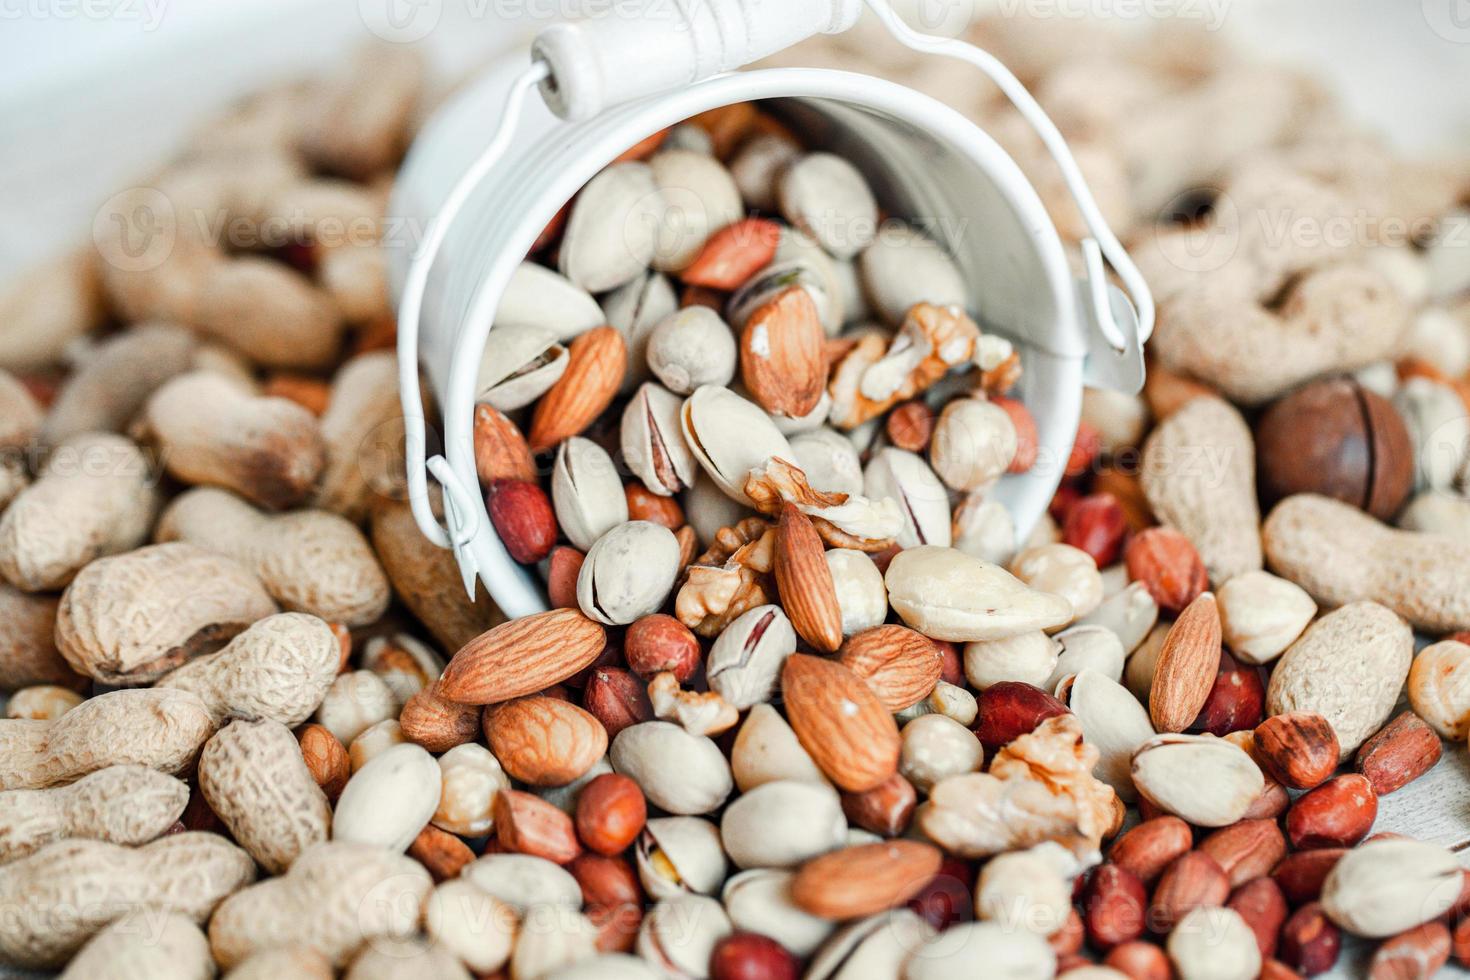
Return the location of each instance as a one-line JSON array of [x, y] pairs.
[[876, 946], [586, 492], [1095, 648], [1129, 613], [759, 900], [827, 197], [861, 596], [756, 166], [829, 460], [653, 444], [1005, 952], [1439, 428], [679, 934], [984, 528], [1214, 943], [811, 421], [1026, 657], [730, 436], [699, 197], [682, 773], [936, 747], [744, 664], [783, 823], [679, 854], [628, 573], [1138, 672], [552, 937], [520, 363], [523, 881], [974, 443], [1024, 891], [635, 308], [798, 247], [902, 476], [612, 231], [855, 307], [538, 297], [690, 137], [766, 749], [904, 267], [707, 507], [1114, 721], [1387, 886], [690, 348], [948, 595], [1205, 780]]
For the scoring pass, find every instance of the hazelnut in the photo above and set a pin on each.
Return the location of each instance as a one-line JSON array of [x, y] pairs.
[[751, 956], [910, 426], [611, 812], [1336, 438], [645, 505], [659, 643]]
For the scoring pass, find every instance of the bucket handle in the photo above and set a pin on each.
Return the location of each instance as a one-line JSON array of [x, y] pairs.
[[460, 509]]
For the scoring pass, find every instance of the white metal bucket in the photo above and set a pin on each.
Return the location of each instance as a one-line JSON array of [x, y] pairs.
[[924, 160]]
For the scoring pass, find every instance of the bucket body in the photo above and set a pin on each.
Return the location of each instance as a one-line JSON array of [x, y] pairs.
[[924, 161]]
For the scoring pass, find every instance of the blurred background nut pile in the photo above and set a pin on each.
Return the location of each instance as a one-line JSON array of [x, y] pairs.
[[804, 703]]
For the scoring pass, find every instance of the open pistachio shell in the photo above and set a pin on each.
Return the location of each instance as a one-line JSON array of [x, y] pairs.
[[653, 442], [830, 461], [745, 662], [520, 363], [679, 854], [628, 573], [635, 309], [904, 477], [949, 595], [730, 436], [586, 492], [612, 232], [759, 900], [538, 297]]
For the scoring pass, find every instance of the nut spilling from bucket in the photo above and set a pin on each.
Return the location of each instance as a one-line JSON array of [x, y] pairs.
[[804, 703]]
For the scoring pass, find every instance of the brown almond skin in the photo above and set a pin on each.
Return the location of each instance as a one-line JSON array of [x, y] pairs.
[[437, 723], [441, 853], [1139, 961], [501, 452], [1115, 906], [1298, 749], [789, 376], [544, 741], [1153, 845], [1339, 813], [1309, 940], [326, 759], [859, 881], [1194, 880], [900, 665], [1416, 954], [886, 809], [1263, 907], [596, 361], [848, 733], [1011, 709], [1402, 751], [1187, 666], [804, 581], [1301, 875], [523, 656], [1247, 849], [528, 824]]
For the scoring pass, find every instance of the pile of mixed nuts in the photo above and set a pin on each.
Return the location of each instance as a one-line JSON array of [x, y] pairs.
[[804, 703]]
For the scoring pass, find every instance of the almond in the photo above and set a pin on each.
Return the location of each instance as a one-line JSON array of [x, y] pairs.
[[523, 656], [1405, 749], [528, 824], [734, 254], [595, 366], [781, 354], [804, 580], [544, 741], [840, 722], [501, 452], [1187, 665], [437, 723], [900, 665], [860, 881], [325, 757]]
